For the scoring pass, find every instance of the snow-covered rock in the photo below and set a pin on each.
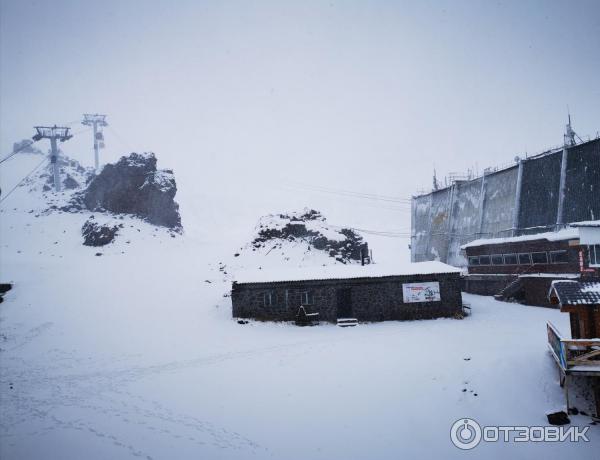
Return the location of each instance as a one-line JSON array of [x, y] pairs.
[[96, 234], [310, 230]]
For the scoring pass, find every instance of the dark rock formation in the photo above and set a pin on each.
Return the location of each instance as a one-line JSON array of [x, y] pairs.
[[352, 248], [95, 234], [558, 418], [133, 185], [70, 183]]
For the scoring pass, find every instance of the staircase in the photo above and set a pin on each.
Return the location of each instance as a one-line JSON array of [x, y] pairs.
[[510, 289], [514, 286], [347, 322]]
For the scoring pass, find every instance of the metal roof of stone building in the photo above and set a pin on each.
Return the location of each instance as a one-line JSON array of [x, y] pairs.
[[576, 292], [342, 272]]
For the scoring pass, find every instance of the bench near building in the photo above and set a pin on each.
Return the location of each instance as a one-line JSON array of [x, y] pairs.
[[523, 267], [366, 293]]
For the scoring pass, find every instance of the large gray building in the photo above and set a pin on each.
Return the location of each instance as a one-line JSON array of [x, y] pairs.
[[536, 194]]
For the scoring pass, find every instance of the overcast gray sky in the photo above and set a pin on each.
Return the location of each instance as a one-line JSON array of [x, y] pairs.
[[241, 97]]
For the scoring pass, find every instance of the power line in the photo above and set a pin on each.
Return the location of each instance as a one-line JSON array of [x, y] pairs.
[[350, 193], [390, 234], [23, 147], [80, 131], [23, 180], [120, 139]]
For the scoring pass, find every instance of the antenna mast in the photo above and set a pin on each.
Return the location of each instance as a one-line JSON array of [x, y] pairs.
[[569, 136]]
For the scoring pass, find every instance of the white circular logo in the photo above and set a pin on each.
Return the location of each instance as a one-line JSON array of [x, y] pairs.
[[465, 433]]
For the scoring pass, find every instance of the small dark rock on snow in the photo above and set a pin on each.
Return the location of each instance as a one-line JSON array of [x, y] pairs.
[[95, 234], [558, 418]]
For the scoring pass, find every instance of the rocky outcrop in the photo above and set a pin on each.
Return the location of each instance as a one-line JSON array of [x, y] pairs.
[[95, 234], [342, 244], [70, 183], [133, 185]]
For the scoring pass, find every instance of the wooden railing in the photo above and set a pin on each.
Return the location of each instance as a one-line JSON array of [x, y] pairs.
[[582, 354]]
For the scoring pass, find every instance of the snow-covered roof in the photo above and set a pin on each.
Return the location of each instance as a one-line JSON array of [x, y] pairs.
[[576, 292], [565, 234], [586, 223], [350, 271]]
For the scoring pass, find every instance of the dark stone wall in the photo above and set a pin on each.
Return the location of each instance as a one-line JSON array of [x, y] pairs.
[[582, 195], [487, 284], [539, 191], [535, 291], [373, 299]]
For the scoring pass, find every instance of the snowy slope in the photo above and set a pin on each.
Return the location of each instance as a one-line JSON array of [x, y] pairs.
[[134, 354]]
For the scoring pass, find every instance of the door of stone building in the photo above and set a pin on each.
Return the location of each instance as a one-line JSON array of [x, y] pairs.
[[344, 303]]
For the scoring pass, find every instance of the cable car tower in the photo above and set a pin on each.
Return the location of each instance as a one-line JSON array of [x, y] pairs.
[[98, 121], [54, 133]]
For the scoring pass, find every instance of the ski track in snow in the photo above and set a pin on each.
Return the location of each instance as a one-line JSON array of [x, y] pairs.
[[102, 393], [79, 389]]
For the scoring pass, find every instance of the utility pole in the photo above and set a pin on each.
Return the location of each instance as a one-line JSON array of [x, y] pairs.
[[98, 121], [54, 133]]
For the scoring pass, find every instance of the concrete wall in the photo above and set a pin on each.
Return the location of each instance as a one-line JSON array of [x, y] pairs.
[[372, 299], [499, 203], [465, 218], [495, 206]]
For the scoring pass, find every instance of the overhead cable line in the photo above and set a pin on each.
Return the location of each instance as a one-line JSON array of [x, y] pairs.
[[23, 180], [23, 147], [349, 193]]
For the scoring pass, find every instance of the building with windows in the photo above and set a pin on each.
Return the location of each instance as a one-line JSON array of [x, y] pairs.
[[523, 267], [341, 292]]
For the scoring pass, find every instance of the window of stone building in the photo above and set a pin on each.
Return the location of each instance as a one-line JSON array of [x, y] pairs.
[[306, 298], [484, 260], [525, 258], [558, 257], [497, 259], [268, 299], [510, 259], [539, 257], [473, 260], [594, 252]]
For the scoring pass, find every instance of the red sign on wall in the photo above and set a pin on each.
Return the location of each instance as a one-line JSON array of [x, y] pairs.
[[582, 268]]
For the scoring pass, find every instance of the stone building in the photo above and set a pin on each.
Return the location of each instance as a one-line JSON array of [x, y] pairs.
[[367, 293]]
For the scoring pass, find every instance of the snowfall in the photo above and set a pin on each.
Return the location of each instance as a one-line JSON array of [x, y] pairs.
[[135, 354]]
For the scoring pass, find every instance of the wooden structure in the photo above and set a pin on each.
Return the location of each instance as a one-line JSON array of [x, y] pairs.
[[580, 355], [523, 267], [305, 318]]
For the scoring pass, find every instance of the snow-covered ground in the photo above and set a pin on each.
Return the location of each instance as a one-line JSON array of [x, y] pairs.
[[134, 354]]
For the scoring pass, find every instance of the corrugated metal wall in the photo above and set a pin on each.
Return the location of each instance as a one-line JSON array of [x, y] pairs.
[[445, 219], [582, 197], [539, 192]]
